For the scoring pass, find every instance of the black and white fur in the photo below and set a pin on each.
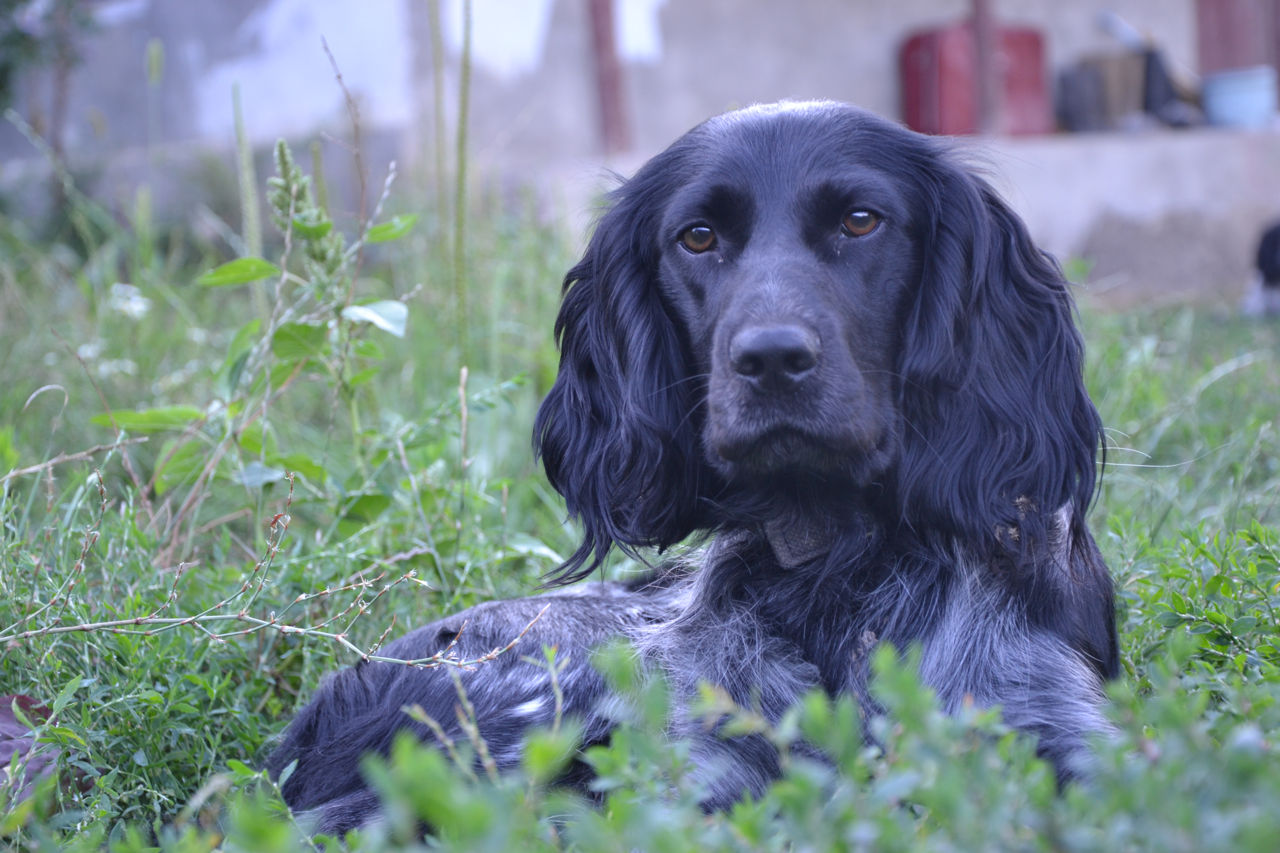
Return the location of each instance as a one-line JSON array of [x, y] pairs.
[[819, 341]]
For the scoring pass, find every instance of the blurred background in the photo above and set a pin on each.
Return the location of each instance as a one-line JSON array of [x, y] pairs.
[[275, 401], [1137, 137]]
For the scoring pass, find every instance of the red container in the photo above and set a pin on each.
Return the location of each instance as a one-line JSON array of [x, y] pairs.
[[939, 70]]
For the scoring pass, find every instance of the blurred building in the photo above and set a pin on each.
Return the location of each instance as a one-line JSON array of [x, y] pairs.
[[559, 89]]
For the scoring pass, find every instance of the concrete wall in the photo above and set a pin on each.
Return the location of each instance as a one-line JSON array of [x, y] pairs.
[[1158, 212], [533, 97], [709, 56], [1160, 216]]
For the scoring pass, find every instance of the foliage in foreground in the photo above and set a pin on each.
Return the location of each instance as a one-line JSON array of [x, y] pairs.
[[262, 502], [1170, 780], [1193, 767]]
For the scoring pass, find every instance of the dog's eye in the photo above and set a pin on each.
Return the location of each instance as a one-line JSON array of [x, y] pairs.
[[698, 239], [859, 223]]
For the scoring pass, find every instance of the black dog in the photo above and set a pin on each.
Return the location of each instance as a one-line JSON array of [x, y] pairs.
[[1262, 298], [816, 337]]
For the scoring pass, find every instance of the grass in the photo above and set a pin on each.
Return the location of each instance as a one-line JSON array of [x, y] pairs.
[[169, 594]]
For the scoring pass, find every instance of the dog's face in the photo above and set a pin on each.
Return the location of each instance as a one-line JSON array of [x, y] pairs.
[[786, 257], [805, 301]]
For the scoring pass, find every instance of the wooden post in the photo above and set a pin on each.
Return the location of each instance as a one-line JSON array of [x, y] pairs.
[[615, 134], [986, 79]]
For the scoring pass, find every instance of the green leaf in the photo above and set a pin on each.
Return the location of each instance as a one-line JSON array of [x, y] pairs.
[[363, 377], [181, 464], [367, 507], [287, 772], [243, 340], [393, 229], [150, 420], [17, 814], [312, 224], [254, 438], [15, 708], [299, 463], [241, 770], [1244, 625], [235, 369], [63, 699], [279, 373], [8, 452], [239, 271], [547, 753], [388, 315], [369, 349], [526, 546], [299, 341], [63, 734]]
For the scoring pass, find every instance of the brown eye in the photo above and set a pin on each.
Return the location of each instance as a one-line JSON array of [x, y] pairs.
[[859, 223], [698, 239]]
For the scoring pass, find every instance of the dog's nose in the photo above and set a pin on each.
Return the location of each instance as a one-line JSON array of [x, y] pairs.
[[774, 356]]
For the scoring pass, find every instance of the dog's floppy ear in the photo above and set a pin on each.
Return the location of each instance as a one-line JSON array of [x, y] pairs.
[[1000, 431], [615, 432]]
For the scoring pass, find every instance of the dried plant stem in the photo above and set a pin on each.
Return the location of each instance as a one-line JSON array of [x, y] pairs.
[[77, 570], [466, 713], [437, 113], [418, 713], [72, 457], [357, 143], [250, 213], [460, 189]]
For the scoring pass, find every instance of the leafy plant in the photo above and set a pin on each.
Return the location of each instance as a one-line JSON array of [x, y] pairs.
[[163, 601]]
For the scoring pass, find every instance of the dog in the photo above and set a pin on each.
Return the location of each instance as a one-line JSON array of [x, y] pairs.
[[1262, 297], [822, 345]]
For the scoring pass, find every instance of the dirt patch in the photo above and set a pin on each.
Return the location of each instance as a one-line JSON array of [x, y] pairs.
[[1182, 257]]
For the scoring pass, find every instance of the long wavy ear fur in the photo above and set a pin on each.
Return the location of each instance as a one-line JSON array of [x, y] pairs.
[[618, 432], [1000, 431]]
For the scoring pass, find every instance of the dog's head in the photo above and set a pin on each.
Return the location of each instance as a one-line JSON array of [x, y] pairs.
[[804, 299]]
